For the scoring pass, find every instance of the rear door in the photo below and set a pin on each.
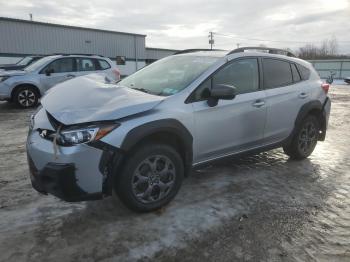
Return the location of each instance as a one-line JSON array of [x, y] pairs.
[[61, 69], [232, 125], [285, 94]]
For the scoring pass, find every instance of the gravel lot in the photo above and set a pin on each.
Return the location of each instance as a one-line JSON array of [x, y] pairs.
[[258, 208]]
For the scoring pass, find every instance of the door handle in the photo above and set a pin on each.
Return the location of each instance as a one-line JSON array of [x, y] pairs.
[[70, 76], [258, 103], [303, 95]]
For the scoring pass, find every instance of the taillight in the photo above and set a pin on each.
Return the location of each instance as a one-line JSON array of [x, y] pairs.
[[325, 87], [116, 73]]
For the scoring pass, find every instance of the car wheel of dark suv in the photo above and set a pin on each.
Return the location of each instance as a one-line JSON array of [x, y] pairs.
[[151, 177], [304, 140]]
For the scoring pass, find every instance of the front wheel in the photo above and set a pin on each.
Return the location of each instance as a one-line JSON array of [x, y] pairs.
[[151, 177], [304, 140], [26, 96]]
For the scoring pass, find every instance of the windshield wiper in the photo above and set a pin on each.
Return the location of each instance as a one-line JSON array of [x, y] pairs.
[[141, 89]]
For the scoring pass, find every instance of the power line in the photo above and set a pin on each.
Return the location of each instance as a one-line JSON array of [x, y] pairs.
[[276, 41]]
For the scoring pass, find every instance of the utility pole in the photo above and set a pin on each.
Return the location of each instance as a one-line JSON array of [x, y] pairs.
[[238, 44], [31, 17], [211, 39]]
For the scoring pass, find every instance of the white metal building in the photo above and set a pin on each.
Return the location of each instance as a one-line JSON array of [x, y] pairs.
[[19, 38]]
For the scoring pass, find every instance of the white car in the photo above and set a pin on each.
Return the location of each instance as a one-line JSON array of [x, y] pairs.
[[25, 87], [140, 137]]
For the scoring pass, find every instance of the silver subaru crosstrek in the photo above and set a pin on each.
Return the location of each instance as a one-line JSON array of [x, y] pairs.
[[26, 86], [140, 137]]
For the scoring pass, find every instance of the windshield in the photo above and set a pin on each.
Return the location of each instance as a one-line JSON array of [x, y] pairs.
[[38, 64], [169, 75], [25, 61]]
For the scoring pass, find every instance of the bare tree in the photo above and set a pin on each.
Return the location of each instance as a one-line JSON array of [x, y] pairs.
[[333, 46], [327, 49]]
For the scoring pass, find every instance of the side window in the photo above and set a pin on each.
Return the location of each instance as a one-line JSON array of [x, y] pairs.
[[202, 92], [85, 64], [63, 65], [296, 76], [277, 73], [304, 72], [104, 64], [243, 74]]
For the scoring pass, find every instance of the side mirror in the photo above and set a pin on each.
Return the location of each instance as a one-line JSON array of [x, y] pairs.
[[221, 91], [48, 72]]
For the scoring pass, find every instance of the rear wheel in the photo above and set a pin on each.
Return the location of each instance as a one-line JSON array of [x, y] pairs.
[[26, 96], [151, 177], [304, 140]]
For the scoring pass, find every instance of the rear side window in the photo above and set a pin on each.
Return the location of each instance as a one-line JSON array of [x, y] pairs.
[[296, 76], [85, 64], [104, 64], [277, 73], [242, 74], [304, 72]]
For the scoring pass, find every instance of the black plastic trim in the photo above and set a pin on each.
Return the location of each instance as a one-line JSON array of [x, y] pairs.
[[241, 154], [269, 49], [164, 125], [59, 180], [306, 109], [109, 165]]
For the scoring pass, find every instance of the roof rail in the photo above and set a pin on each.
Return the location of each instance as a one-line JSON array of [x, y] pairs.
[[268, 49], [194, 50], [63, 54]]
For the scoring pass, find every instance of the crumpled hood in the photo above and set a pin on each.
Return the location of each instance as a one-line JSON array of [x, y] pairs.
[[92, 98], [12, 73]]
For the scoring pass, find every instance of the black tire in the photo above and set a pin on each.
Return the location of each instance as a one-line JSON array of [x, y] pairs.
[[144, 195], [304, 140], [26, 97]]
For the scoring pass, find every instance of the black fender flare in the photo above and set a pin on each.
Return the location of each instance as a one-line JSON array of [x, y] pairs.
[[168, 125], [112, 159], [303, 112], [306, 109]]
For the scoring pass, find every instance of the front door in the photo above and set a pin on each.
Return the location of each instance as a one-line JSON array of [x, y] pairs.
[[232, 125], [57, 71]]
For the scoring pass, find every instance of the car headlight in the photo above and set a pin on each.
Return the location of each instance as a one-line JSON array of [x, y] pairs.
[[74, 136], [3, 78]]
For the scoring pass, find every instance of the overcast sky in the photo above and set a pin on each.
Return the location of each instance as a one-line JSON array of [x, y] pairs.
[[186, 23]]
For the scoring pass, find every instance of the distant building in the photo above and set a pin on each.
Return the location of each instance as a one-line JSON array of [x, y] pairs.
[[23, 37], [340, 68], [154, 54]]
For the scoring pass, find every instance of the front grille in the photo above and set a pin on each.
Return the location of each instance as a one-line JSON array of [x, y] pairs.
[[47, 134]]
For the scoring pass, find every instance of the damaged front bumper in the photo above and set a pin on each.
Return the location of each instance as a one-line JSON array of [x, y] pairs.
[[75, 173]]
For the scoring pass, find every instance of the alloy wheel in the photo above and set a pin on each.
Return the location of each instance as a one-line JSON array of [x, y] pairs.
[[153, 179], [26, 98], [307, 137]]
